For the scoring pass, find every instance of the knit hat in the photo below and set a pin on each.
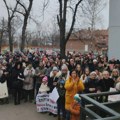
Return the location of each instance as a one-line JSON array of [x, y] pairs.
[[55, 69], [64, 67], [95, 60], [93, 73], [77, 98], [45, 79]]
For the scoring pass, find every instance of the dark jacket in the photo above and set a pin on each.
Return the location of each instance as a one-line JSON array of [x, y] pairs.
[[105, 84], [17, 83], [52, 79], [71, 67], [41, 71], [89, 83], [4, 77], [61, 88]]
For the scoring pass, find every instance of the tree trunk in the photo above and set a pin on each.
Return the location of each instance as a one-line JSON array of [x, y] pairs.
[[0, 43], [23, 34], [62, 49], [10, 37], [1, 40], [26, 16], [62, 42], [61, 18]]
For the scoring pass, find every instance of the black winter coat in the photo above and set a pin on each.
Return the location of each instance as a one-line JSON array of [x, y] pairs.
[[105, 84], [89, 83], [17, 83], [51, 81]]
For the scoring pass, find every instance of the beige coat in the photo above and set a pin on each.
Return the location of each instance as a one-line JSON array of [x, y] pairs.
[[28, 82]]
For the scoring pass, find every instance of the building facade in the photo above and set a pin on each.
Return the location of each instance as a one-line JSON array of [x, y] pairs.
[[86, 40]]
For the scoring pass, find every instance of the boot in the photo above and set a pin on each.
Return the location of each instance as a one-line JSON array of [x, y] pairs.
[[59, 118], [63, 118], [6, 101]]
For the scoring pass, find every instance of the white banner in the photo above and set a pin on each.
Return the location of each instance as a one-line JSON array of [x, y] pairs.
[[54, 95], [45, 104], [3, 90], [113, 98]]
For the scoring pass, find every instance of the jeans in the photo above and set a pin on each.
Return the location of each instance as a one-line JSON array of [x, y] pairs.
[[28, 93], [67, 115], [61, 106], [17, 96], [37, 86]]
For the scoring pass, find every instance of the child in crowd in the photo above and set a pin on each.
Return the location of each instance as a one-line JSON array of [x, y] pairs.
[[44, 86], [75, 108]]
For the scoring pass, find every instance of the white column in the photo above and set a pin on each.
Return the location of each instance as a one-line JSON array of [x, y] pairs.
[[114, 30]]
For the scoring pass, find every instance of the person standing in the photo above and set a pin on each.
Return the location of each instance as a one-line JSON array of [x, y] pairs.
[[75, 108], [73, 85], [115, 74], [105, 84], [61, 91], [91, 83], [17, 78], [29, 73], [40, 72], [79, 70], [53, 81], [85, 75]]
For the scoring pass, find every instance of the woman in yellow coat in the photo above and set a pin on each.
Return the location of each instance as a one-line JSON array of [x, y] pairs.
[[73, 85]]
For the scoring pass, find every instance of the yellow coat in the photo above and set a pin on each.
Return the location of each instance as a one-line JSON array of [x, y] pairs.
[[71, 90]]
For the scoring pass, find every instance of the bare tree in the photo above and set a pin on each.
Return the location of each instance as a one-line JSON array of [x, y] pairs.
[[92, 16], [26, 15], [92, 12], [61, 18], [3, 29], [11, 15], [55, 37], [29, 37]]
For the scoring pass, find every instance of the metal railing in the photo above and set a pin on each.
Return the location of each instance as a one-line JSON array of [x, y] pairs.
[[92, 109]]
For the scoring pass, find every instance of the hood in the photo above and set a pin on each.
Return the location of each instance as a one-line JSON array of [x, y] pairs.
[[57, 75], [67, 76]]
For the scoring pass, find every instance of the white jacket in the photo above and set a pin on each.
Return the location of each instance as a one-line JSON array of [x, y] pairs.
[[44, 88]]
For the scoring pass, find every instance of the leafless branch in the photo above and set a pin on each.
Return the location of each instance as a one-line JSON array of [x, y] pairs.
[[21, 4], [73, 20]]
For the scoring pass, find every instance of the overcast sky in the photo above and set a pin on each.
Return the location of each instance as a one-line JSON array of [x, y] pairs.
[[50, 12]]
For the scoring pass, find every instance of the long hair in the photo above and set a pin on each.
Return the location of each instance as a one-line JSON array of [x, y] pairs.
[[18, 63]]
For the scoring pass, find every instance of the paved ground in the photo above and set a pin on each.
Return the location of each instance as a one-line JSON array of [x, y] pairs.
[[25, 111]]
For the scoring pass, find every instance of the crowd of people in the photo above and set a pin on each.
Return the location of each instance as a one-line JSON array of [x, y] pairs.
[[29, 73]]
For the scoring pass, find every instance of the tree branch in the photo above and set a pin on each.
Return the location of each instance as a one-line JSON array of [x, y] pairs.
[[20, 12], [14, 10], [58, 20], [7, 7], [17, 11], [73, 21], [22, 5], [60, 10]]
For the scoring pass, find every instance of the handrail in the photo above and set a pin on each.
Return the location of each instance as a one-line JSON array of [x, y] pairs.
[[86, 98], [102, 94], [101, 106]]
